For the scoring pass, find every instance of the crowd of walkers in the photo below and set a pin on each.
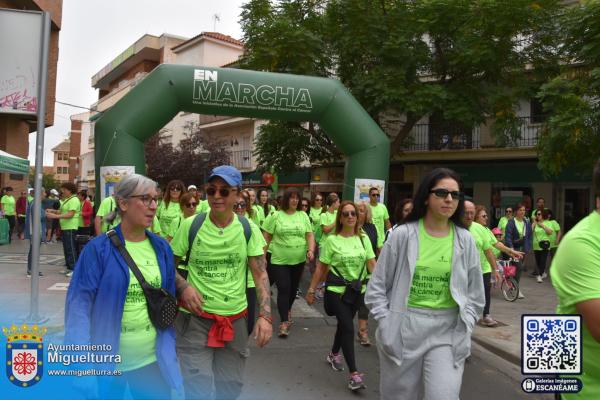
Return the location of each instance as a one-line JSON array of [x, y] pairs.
[[425, 280]]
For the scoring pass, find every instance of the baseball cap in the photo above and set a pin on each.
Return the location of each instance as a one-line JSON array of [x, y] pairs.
[[192, 187], [497, 231], [54, 192], [229, 174]]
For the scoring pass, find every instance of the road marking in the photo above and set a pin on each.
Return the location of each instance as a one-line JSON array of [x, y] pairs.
[[60, 286]]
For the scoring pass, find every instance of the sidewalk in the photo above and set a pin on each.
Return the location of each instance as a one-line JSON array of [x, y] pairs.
[[505, 340], [15, 286]]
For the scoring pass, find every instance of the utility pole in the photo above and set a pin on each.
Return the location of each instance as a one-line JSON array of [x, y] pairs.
[[216, 18]]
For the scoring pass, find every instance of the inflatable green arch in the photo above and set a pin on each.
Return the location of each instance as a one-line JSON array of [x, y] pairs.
[[169, 89]]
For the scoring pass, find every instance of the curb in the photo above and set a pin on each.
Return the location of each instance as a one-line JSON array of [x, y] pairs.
[[497, 350]]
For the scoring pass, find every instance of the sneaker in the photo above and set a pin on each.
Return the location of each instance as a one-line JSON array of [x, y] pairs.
[[544, 275], [521, 295], [356, 381], [336, 361], [539, 279], [489, 321], [284, 330], [69, 274], [29, 274], [363, 338]]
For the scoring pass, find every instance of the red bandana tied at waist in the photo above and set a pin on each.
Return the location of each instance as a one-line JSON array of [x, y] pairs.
[[221, 330]]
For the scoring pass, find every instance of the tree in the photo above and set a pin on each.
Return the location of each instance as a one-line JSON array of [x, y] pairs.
[[462, 60], [287, 36], [48, 180], [191, 161], [572, 135]]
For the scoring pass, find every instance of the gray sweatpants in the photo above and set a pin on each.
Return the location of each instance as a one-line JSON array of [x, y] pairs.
[[427, 358], [210, 373]]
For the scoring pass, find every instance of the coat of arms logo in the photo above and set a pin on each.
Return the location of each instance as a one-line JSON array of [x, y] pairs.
[[24, 354]]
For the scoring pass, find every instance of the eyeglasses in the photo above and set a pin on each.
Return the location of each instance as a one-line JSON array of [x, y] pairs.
[[304, 205], [146, 199], [375, 195], [241, 204], [176, 189], [191, 205], [224, 192], [347, 214], [443, 193]]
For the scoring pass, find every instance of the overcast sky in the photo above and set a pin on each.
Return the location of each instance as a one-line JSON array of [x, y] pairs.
[[94, 32]]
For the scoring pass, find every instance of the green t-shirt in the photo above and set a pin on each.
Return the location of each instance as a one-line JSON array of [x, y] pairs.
[[70, 204], [9, 205], [263, 244], [166, 215], [540, 234], [155, 228], [108, 204], [256, 215], [138, 336], [576, 278], [555, 226], [261, 213], [288, 243], [502, 224], [326, 219], [217, 265], [315, 216], [174, 227], [380, 214], [484, 240], [349, 256], [520, 225], [29, 198], [202, 207], [430, 286]]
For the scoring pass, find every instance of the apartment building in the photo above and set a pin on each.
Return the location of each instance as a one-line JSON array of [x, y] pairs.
[[15, 128], [60, 166]]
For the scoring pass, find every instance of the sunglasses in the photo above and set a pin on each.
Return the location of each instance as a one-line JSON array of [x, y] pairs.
[[347, 214], [375, 195], [176, 189], [318, 199], [191, 205], [224, 192], [443, 193], [146, 199], [304, 205], [241, 204]]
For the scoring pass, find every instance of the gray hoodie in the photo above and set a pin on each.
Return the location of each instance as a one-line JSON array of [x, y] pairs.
[[389, 287]]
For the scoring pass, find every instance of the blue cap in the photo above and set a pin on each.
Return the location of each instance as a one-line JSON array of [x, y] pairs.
[[229, 174]]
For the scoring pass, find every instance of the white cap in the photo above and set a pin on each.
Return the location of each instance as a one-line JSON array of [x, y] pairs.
[[54, 192], [192, 187]]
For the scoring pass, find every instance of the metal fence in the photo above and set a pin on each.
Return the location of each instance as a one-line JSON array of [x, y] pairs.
[[241, 159], [437, 137]]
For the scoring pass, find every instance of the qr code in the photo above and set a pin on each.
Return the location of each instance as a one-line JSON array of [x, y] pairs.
[[551, 344]]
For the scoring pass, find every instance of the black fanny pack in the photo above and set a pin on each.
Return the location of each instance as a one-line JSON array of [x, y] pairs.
[[162, 305], [544, 244]]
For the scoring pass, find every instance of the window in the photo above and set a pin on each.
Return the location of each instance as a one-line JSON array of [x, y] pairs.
[[538, 115]]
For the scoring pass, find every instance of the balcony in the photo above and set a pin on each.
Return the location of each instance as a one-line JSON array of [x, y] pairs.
[[209, 119], [241, 159], [444, 137]]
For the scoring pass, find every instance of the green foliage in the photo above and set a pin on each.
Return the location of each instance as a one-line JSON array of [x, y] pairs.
[[287, 36], [572, 136], [48, 180], [284, 145], [465, 61]]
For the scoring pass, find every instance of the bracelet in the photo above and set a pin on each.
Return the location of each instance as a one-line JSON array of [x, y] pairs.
[[268, 318]]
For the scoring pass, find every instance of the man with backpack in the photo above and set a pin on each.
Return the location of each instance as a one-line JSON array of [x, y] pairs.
[[211, 327]]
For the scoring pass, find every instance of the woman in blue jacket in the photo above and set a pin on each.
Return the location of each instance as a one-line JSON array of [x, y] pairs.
[[518, 236], [105, 304]]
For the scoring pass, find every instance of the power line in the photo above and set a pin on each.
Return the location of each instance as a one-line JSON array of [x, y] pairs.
[[71, 105]]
